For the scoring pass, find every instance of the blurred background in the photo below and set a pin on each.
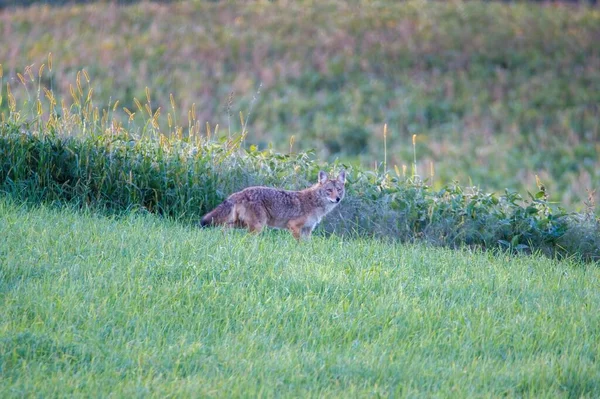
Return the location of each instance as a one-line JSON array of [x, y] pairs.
[[496, 92]]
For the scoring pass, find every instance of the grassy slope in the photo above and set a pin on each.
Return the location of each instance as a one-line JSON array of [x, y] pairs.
[[141, 306]]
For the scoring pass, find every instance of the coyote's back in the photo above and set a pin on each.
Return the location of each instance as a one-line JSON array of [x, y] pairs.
[[297, 211]]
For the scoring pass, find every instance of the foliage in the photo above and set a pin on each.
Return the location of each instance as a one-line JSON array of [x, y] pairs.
[[496, 92]]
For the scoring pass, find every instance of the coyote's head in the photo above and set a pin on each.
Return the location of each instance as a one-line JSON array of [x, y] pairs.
[[333, 189]]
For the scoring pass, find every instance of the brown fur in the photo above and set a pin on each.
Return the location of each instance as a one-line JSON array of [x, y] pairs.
[[298, 211]]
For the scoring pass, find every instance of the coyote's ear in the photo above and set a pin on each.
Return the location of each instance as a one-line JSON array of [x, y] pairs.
[[342, 176], [322, 177]]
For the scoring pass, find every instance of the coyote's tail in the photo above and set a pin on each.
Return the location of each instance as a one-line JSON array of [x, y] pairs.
[[219, 215]]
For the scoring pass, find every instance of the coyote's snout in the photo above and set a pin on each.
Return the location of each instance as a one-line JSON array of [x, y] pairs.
[[298, 211]]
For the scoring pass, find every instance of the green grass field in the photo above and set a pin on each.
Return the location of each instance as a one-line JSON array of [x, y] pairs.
[[139, 306], [115, 110]]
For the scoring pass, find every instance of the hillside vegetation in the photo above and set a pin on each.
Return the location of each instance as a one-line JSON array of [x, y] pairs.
[[140, 306], [496, 93]]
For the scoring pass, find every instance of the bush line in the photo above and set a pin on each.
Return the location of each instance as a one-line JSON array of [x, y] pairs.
[[182, 179]]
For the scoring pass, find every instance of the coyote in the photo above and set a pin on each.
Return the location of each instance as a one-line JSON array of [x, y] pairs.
[[297, 211]]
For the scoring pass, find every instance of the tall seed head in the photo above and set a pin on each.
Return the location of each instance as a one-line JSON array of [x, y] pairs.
[[129, 113], [78, 80], [414, 142], [138, 104], [155, 118], [384, 147], [28, 72], [12, 103]]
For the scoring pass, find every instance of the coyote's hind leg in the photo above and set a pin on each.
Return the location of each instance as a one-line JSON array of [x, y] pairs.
[[255, 218]]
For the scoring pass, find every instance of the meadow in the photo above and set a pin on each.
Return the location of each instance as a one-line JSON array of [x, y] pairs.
[[140, 306], [463, 261], [496, 93]]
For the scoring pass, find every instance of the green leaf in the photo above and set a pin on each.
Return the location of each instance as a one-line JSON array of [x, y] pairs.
[[515, 240], [531, 210]]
